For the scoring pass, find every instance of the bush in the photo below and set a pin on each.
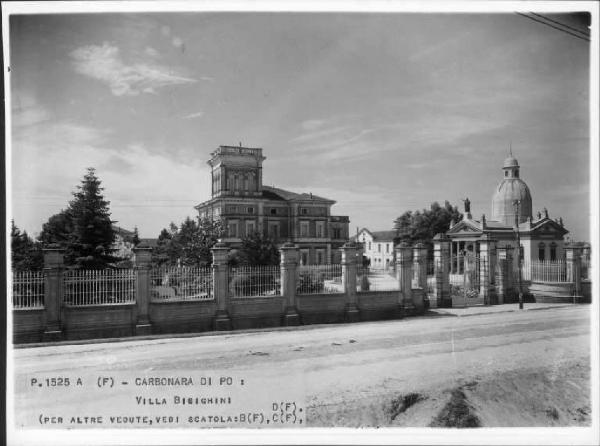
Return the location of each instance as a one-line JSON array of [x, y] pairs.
[[253, 285], [310, 282]]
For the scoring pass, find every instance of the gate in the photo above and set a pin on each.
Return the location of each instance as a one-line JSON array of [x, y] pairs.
[[464, 286]]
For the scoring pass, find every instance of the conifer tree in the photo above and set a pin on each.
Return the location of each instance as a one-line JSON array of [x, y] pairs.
[[93, 233], [26, 254]]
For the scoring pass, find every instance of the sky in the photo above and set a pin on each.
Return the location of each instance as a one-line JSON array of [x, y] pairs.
[[383, 113]]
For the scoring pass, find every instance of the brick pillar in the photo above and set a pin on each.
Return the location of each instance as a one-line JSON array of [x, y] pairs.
[[504, 274], [404, 274], [441, 259], [352, 313], [289, 262], [573, 256], [53, 292], [221, 286], [142, 262], [486, 290]]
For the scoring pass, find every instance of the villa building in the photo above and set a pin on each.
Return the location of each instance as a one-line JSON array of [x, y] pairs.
[[246, 206]]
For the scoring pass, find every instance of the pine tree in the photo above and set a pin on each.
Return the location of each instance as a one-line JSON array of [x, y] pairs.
[[93, 233], [26, 254]]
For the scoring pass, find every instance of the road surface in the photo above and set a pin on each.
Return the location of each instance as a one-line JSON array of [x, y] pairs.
[[528, 368]]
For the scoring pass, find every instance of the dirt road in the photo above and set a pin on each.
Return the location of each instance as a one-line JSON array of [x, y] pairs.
[[528, 368]]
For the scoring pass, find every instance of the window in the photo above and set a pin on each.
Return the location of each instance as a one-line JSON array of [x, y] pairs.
[[232, 229], [304, 211], [369, 246], [387, 248], [542, 251], [552, 251], [303, 229], [250, 210], [337, 233], [250, 228], [320, 229], [506, 173], [378, 247], [273, 211], [274, 230], [320, 257], [304, 257]]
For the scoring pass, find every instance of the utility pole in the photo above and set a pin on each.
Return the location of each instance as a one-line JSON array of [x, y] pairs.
[[516, 205]]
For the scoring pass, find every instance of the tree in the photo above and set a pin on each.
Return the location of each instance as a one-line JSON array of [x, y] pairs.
[[422, 226], [189, 244], [259, 250], [84, 229], [26, 254]]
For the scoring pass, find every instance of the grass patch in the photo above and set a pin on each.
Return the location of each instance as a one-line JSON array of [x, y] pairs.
[[402, 403], [456, 413]]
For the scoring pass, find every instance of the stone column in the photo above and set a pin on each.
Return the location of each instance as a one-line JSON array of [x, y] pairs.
[[221, 286], [404, 274], [504, 276], [420, 265], [289, 262], [420, 274], [452, 251], [441, 259], [53, 292], [352, 313], [485, 270], [142, 262], [573, 264]]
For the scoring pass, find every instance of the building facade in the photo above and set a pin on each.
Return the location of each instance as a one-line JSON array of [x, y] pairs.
[[377, 247], [541, 237], [246, 206]]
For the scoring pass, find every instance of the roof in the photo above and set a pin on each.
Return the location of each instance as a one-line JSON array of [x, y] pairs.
[[121, 231], [148, 242], [381, 236], [282, 194], [511, 161]]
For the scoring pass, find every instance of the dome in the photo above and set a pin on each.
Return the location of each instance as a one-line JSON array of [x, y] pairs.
[[511, 162], [509, 190]]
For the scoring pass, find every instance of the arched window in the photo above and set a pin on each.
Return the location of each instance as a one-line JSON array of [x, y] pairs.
[[552, 251], [542, 251]]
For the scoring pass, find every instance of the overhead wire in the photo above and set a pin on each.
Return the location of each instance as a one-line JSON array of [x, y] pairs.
[[553, 26]]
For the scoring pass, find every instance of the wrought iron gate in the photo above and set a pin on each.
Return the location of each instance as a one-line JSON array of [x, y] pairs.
[[465, 286]]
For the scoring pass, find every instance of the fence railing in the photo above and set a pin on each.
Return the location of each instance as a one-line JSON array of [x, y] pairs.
[[181, 283], [545, 271], [99, 287], [28, 289], [255, 281], [319, 279], [370, 279]]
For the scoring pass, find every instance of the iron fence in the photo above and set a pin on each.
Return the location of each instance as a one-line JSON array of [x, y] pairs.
[[319, 279], [181, 283], [99, 287], [28, 289], [553, 271], [255, 281]]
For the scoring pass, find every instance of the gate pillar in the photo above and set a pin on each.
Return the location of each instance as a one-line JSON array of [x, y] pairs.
[[486, 252], [441, 259]]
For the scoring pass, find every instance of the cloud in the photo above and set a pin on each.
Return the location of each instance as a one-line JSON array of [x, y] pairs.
[[105, 64], [313, 124], [194, 115], [49, 160], [149, 51]]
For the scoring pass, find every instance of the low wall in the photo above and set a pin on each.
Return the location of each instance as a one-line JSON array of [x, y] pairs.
[[378, 305], [552, 292], [181, 316], [321, 308], [98, 321], [28, 325], [256, 312]]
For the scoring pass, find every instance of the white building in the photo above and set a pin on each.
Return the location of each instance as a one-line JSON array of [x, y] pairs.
[[378, 247]]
